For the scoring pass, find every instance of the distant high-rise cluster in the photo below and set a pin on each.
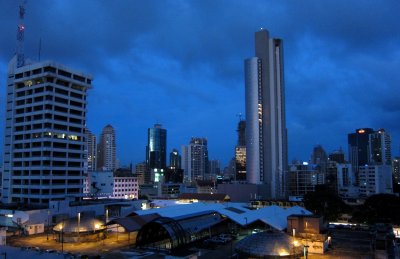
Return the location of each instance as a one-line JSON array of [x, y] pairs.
[[266, 137]]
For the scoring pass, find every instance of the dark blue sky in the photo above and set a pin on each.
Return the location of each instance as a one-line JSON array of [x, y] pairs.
[[180, 63]]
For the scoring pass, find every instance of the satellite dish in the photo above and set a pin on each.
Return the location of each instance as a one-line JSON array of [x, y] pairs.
[[20, 217]]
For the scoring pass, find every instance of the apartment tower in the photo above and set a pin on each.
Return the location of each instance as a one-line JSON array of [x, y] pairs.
[[91, 147], [44, 137], [266, 135], [107, 150], [195, 160]]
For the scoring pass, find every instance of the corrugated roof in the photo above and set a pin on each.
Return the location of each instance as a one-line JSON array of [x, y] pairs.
[[274, 216], [134, 223], [204, 196]]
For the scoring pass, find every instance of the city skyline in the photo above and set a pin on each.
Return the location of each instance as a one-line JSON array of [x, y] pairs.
[[148, 67]]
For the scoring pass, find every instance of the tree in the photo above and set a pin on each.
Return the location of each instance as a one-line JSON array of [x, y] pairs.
[[379, 208], [325, 202]]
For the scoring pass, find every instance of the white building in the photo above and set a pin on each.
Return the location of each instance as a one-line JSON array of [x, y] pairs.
[[106, 184], [375, 179], [100, 184], [195, 160], [125, 186], [44, 147], [266, 138]]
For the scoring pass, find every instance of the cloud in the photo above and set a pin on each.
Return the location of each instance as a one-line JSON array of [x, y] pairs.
[[181, 63]]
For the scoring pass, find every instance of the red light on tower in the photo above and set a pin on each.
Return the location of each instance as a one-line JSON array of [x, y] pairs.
[[361, 131]]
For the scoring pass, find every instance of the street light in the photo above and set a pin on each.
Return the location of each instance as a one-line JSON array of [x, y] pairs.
[[48, 224], [79, 225]]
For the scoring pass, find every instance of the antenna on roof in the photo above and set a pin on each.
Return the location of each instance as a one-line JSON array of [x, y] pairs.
[[20, 36]]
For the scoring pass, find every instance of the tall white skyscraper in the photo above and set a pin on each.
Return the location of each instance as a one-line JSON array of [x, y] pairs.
[[266, 137], [107, 150], [44, 146]]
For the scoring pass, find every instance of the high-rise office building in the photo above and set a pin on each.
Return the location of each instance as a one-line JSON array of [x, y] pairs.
[[303, 178], [156, 147], [240, 152], [380, 148], [141, 170], [396, 174], [369, 147], [91, 149], [214, 169], [359, 147], [375, 179], [319, 158], [195, 160], [241, 131], [337, 156], [266, 136], [175, 159], [174, 172], [44, 147], [107, 150]]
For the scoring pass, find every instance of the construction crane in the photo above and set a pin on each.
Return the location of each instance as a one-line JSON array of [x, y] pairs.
[[20, 36]]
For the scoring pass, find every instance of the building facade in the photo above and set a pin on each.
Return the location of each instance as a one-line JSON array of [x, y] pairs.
[[175, 159], [303, 178], [195, 160], [380, 148], [107, 150], [91, 147], [156, 155], [396, 174], [375, 179], [126, 186], [240, 152], [359, 148], [108, 184], [266, 135], [44, 144], [319, 158], [337, 156]]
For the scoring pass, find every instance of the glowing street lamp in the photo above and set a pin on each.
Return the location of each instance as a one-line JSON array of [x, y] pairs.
[[79, 225]]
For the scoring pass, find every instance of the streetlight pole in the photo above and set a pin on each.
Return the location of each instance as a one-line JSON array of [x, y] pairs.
[[79, 225], [305, 251], [48, 224], [62, 237]]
